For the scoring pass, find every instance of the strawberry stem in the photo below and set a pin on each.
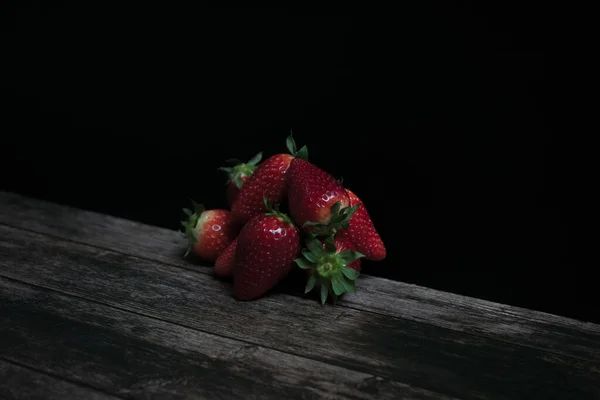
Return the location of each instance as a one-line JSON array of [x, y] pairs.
[[274, 211], [291, 146]]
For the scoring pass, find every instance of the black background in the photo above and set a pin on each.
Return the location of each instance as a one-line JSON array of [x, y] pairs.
[[436, 114]]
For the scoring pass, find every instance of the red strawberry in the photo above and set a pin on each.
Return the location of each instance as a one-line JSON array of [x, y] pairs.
[[209, 231], [267, 247], [238, 175], [268, 180], [311, 194], [332, 266], [362, 232], [226, 261]]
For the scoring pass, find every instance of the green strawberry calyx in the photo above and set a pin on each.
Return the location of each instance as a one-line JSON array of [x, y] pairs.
[[340, 219], [191, 223], [274, 211], [329, 268], [240, 169], [294, 151]]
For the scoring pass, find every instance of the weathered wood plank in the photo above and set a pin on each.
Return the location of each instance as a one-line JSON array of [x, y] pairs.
[[132, 356], [437, 359], [20, 383], [521, 326], [534, 329]]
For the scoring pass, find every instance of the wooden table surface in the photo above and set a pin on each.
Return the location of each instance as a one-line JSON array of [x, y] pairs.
[[98, 307]]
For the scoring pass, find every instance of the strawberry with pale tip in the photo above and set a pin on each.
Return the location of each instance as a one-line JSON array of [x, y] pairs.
[[208, 232], [312, 193], [353, 223], [332, 266]]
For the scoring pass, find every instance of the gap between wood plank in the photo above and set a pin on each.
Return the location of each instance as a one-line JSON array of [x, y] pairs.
[[52, 211], [167, 321], [189, 351], [588, 354], [98, 394], [453, 352]]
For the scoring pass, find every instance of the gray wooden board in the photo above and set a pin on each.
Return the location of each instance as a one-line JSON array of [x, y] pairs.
[[22, 383], [133, 356], [525, 327], [420, 355]]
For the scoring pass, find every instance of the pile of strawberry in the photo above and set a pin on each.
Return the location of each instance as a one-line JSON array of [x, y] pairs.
[[325, 231]]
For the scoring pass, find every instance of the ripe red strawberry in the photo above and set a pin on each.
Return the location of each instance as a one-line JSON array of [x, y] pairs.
[[226, 261], [332, 266], [266, 249], [209, 231], [311, 194], [268, 180], [238, 174], [361, 231]]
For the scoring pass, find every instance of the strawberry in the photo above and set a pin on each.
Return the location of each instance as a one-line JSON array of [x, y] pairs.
[[268, 180], [226, 261], [312, 193], [267, 246], [361, 231], [209, 231], [333, 266], [238, 174]]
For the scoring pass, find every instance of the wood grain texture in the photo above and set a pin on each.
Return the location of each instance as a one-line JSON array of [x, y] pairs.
[[562, 336], [421, 355], [21, 383], [132, 356]]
